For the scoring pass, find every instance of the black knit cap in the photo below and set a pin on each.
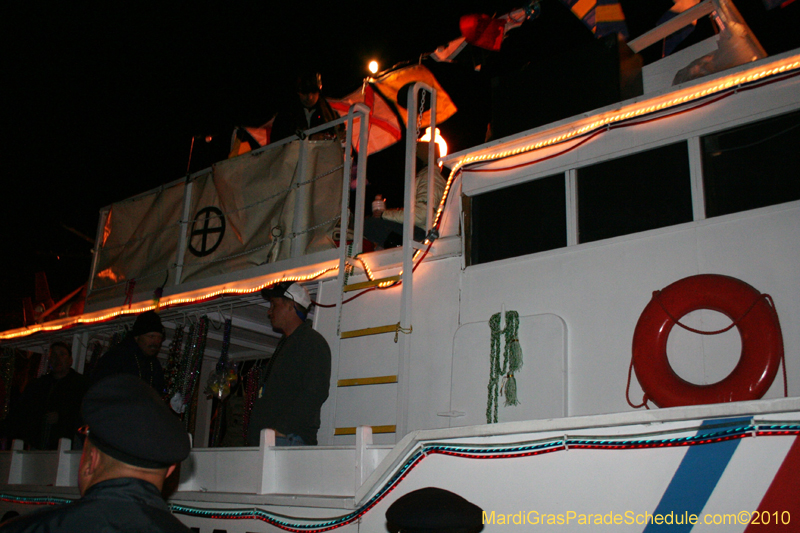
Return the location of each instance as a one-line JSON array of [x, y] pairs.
[[128, 421], [147, 322], [309, 82], [434, 510]]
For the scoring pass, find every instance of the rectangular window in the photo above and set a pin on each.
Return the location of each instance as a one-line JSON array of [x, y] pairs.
[[518, 220], [639, 192], [752, 166]]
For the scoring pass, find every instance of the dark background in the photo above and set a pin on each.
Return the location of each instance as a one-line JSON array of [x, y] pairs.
[[101, 100]]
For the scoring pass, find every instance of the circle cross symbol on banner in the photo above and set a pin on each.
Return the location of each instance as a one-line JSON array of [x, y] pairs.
[[207, 222]]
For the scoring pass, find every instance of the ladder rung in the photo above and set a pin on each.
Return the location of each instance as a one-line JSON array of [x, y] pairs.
[[375, 429], [368, 284], [379, 380], [392, 328]]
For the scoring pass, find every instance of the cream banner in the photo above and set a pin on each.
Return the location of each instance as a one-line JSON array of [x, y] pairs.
[[139, 244], [251, 209]]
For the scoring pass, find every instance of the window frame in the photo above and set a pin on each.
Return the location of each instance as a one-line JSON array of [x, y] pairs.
[[674, 133]]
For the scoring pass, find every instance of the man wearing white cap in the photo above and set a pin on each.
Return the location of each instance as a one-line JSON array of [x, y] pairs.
[[296, 381]]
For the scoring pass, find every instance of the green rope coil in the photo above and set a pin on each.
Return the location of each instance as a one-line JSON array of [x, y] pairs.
[[494, 369], [512, 357], [512, 362]]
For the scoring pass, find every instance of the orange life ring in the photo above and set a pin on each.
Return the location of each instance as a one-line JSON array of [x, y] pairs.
[[756, 319]]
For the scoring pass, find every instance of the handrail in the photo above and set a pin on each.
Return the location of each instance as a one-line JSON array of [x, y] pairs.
[[409, 205], [671, 26], [361, 179], [358, 111], [730, 17]]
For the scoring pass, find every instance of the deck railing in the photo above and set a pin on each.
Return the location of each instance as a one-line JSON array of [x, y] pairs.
[[265, 204]]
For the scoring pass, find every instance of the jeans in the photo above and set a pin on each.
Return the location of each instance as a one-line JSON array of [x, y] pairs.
[[388, 233], [291, 439]]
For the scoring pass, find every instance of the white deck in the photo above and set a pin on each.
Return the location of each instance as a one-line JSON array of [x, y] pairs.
[[314, 486]]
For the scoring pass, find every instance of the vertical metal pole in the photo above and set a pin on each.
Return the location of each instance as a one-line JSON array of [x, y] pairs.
[[344, 220], [361, 177], [301, 203], [404, 362], [203, 415], [183, 237], [98, 240], [409, 204], [80, 346], [696, 176], [571, 177], [432, 164]]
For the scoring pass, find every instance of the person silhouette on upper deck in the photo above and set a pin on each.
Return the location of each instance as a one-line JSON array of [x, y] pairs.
[[307, 110]]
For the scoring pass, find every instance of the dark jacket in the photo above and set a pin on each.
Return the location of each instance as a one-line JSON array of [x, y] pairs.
[[127, 358], [114, 505], [294, 387], [293, 119], [45, 395]]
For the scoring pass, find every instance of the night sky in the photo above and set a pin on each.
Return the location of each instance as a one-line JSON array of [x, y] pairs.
[[101, 100]]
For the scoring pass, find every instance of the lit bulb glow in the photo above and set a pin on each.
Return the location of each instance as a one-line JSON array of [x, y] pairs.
[[163, 303], [440, 142], [367, 269], [373, 67]]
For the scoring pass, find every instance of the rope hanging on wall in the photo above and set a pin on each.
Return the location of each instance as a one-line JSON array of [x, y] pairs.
[[512, 362]]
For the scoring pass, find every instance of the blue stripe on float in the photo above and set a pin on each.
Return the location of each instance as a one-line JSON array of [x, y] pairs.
[[695, 479]]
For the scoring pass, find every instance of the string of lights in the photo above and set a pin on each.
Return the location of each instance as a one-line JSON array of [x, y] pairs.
[[702, 94], [165, 302], [747, 79]]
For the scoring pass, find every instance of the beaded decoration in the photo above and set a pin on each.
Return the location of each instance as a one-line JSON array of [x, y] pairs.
[[7, 375], [174, 361], [191, 370], [251, 382]]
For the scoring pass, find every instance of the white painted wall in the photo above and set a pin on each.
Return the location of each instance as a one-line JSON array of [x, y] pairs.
[[600, 289], [581, 303]]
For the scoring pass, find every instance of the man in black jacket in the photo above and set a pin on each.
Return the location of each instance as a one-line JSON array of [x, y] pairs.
[[137, 354], [308, 110], [297, 378], [133, 444], [49, 408]]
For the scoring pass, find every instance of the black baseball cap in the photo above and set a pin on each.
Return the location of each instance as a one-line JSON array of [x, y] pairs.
[[128, 421]]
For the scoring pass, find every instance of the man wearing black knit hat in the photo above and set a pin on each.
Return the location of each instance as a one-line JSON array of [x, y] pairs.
[[133, 444], [136, 354]]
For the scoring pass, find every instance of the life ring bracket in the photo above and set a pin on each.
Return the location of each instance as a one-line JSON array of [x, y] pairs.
[[656, 297]]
